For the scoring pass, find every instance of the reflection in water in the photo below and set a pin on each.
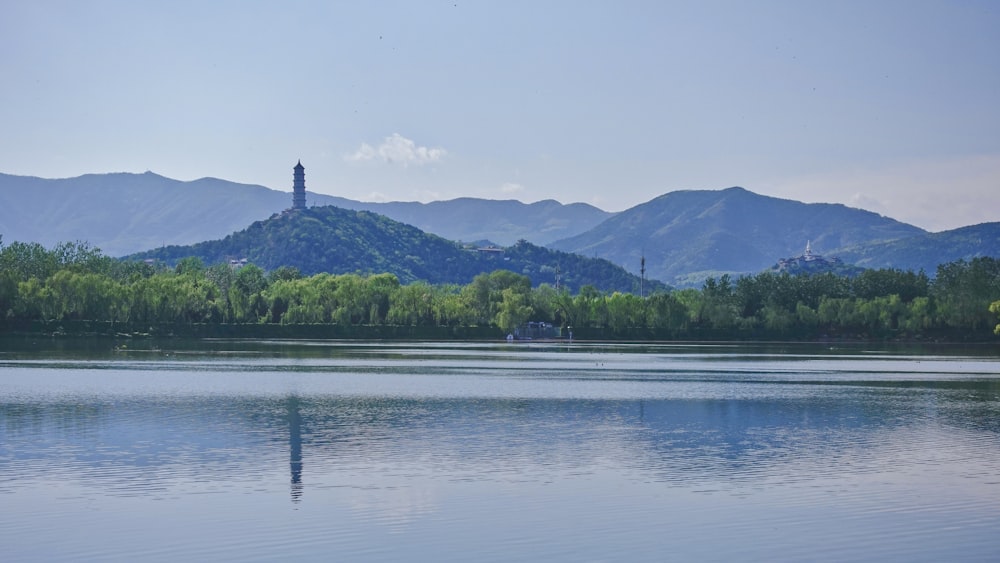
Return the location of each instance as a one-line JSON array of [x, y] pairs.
[[295, 446], [438, 458], [154, 445]]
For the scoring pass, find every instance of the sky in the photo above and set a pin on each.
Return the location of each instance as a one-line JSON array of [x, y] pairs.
[[891, 106]]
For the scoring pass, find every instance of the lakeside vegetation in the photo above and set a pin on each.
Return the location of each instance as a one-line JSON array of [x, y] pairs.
[[340, 241], [73, 282]]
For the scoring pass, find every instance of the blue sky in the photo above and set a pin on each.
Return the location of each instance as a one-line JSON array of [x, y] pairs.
[[890, 105]]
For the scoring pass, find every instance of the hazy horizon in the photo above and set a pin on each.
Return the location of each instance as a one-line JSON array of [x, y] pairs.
[[888, 106], [500, 198]]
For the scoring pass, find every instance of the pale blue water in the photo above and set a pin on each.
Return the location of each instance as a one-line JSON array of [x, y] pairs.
[[318, 451]]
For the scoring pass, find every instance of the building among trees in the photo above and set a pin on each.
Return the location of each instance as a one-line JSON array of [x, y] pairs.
[[808, 261]]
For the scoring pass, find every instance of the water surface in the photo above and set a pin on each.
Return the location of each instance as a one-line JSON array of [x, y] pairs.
[[265, 450]]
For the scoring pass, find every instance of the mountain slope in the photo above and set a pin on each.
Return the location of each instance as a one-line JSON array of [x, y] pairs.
[[687, 235], [503, 222], [124, 213], [335, 240], [926, 251]]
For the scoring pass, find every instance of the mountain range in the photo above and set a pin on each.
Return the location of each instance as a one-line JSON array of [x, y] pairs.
[[687, 236], [123, 213], [684, 236]]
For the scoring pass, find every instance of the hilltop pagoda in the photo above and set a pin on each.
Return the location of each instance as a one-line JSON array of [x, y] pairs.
[[299, 187]]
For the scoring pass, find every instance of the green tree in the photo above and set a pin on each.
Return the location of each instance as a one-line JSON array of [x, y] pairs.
[[33, 298], [485, 293], [513, 310], [717, 308], [666, 311], [190, 266], [412, 305], [625, 310], [168, 297], [378, 294], [28, 260], [247, 297], [544, 301], [965, 290], [284, 273], [223, 276], [569, 310]]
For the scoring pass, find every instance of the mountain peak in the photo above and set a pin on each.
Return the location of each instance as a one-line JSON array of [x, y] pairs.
[[710, 231]]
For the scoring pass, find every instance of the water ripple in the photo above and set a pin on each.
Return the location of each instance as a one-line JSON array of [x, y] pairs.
[[496, 453]]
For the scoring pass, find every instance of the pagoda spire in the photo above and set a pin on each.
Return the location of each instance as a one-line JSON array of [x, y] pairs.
[[299, 186]]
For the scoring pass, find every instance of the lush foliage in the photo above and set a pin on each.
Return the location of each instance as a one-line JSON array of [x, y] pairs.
[[73, 281], [339, 241], [995, 308]]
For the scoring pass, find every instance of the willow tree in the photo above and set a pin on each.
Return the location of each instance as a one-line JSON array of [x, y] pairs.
[[995, 309], [513, 311]]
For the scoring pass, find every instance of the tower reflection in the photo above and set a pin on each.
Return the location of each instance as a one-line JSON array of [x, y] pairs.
[[295, 446]]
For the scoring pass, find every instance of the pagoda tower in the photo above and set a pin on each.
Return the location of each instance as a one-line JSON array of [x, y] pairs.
[[299, 187]]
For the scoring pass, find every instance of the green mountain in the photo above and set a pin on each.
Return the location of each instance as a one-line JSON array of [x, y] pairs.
[[125, 213], [926, 251], [335, 240], [687, 236]]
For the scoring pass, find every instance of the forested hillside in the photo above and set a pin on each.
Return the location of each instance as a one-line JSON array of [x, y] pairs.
[[926, 251], [337, 241]]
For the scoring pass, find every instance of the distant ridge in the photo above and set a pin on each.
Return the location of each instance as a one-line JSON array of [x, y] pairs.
[[503, 222], [926, 251], [686, 236], [123, 213]]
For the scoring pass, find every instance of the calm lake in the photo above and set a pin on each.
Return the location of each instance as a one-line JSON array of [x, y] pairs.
[[321, 451]]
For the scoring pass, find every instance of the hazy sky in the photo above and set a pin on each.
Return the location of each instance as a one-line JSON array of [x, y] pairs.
[[893, 106]]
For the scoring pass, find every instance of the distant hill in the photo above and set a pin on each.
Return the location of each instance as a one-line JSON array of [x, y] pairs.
[[335, 240], [926, 251], [503, 222], [689, 235], [124, 213]]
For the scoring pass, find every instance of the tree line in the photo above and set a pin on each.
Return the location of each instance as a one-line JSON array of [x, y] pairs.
[[73, 281]]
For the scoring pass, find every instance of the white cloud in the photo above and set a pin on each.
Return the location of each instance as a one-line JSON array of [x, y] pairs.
[[365, 152], [511, 188], [397, 149]]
